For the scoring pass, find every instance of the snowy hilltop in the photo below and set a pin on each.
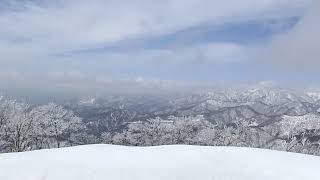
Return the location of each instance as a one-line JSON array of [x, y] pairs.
[[101, 162]]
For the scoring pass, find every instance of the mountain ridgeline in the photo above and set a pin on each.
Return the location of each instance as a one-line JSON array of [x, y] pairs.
[[270, 118]]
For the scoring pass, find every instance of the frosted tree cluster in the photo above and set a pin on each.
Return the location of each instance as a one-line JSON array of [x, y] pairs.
[[23, 127], [198, 131]]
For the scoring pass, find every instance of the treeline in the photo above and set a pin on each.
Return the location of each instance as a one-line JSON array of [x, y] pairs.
[[198, 131], [24, 127]]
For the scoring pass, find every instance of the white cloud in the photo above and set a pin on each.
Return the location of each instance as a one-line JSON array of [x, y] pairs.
[[299, 48], [36, 31], [203, 54]]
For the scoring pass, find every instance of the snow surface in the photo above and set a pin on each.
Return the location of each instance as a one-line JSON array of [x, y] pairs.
[[107, 162]]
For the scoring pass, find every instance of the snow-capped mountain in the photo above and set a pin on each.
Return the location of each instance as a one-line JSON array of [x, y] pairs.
[[228, 105], [258, 116]]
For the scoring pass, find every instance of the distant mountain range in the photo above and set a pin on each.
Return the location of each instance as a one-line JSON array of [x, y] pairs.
[[259, 105]]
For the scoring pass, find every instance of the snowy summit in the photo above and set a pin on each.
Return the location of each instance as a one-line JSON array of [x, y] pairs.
[[107, 162]]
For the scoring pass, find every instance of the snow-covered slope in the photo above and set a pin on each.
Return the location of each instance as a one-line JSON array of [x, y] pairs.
[[107, 162]]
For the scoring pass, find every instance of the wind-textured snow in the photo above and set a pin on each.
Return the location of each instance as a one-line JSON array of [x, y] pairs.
[[107, 162]]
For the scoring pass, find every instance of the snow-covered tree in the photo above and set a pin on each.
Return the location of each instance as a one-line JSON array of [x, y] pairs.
[[54, 123], [16, 126]]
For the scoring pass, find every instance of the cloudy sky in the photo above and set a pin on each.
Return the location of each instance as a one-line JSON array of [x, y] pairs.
[[67, 42]]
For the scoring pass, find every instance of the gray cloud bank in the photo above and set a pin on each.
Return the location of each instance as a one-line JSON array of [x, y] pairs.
[[35, 32], [32, 35], [299, 49]]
